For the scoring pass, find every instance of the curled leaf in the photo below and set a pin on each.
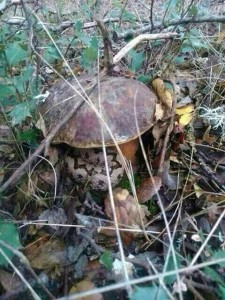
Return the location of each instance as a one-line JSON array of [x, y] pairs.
[[162, 92], [128, 212], [148, 188]]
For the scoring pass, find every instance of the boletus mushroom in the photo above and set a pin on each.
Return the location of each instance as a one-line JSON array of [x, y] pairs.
[[125, 105]]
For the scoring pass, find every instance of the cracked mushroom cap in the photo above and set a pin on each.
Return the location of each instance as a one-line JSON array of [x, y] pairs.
[[121, 99]]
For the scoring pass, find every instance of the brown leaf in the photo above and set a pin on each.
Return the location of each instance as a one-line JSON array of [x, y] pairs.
[[127, 210], [49, 255], [83, 286], [148, 188], [9, 281], [158, 131]]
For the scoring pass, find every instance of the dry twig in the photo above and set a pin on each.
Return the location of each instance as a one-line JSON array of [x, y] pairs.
[[159, 26]]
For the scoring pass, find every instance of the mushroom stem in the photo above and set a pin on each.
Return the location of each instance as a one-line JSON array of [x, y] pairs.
[[129, 150]]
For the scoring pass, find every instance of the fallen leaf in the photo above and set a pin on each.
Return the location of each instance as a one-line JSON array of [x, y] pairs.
[[10, 281], [198, 191], [162, 92], [148, 188], [185, 114], [83, 286], [159, 113], [49, 255], [168, 180], [220, 37], [158, 131], [185, 109], [128, 212], [53, 217]]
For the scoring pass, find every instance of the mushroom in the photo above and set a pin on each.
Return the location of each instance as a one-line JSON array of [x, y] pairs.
[[125, 105]]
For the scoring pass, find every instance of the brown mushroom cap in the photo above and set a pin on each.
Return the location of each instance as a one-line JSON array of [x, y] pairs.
[[122, 100]]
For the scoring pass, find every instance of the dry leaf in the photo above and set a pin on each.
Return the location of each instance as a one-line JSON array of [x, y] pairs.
[[220, 37], [10, 281], [148, 188], [163, 94], [83, 286], [40, 124], [185, 114], [49, 255], [198, 191], [159, 113], [170, 181], [53, 216], [158, 131], [128, 212]]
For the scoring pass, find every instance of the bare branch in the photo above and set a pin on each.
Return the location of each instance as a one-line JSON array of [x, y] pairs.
[[160, 26], [143, 37]]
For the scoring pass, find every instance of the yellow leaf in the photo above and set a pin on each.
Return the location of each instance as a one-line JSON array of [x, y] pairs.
[[185, 109], [185, 113], [198, 191], [164, 95]]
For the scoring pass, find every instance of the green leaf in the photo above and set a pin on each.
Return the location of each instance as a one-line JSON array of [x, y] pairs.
[[6, 90], [171, 267], [15, 54], [214, 276], [178, 60], [145, 78], [149, 292], [78, 26], [198, 43], [222, 291], [8, 234], [218, 255], [86, 40], [186, 48], [27, 72], [90, 54], [137, 59], [51, 53], [19, 113], [107, 260], [193, 11], [27, 136], [127, 16]]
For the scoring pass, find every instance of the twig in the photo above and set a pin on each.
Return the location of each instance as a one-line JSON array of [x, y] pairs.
[[131, 33], [67, 24], [143, 37], [107, 46], [151, 15]]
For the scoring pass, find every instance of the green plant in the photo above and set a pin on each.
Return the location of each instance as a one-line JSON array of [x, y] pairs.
[[9, 235]]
